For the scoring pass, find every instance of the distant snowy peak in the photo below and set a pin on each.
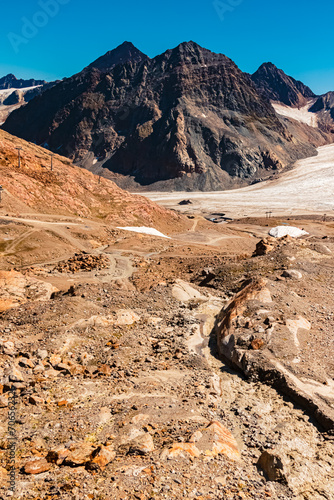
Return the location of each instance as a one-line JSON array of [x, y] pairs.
[[16, 93], [275, 85], [11, 82]]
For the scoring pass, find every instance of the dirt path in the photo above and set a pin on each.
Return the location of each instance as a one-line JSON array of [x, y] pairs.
[[54, 227], [193, 228], [18, 241]]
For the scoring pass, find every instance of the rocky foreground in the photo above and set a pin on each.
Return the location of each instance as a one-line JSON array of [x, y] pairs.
[[196, 374]]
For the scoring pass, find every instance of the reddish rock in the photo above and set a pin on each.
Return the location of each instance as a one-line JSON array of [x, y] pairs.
[[257, 344], [102, 456], [217, 440], [79, 454], [62, 403], [181, 450], [55, 359], [15, 289], [37, 466], [35, 400], [142, 445], [58, 455], [263, 248], [26, 363], [105, 370], [8, 348], [15, 375], [4, 401]]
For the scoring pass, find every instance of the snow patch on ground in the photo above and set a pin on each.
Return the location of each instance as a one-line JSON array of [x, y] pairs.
[[145, 230], [302, 115], [280, 231]]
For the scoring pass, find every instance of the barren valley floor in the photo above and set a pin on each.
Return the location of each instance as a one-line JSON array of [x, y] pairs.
[[195, 367], [307, 189]]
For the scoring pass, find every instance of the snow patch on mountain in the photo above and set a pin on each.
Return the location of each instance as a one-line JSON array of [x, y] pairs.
[[302, 115]]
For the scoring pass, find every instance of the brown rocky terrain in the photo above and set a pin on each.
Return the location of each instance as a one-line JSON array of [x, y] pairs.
[[186, 119], [198, 366], [123, 387]]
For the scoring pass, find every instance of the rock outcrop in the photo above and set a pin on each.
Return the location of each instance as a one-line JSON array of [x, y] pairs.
[[16, 289], [257, 337]]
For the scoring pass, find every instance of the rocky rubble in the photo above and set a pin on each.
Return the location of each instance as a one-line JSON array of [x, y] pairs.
[[16, 289], [126, 391], [83, 262]]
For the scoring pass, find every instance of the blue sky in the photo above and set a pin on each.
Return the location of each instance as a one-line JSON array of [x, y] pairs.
[[66, 35]]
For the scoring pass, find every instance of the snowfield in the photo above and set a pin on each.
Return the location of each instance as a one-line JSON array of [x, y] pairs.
[[301, 115], [4, 93], [307, 188]]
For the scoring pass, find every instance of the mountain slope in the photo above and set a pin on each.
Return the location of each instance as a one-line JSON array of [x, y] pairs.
[[187, 119], [70, 190], [275, 85]]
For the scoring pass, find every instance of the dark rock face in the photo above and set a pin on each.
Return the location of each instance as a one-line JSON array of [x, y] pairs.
[[11, 82], [187, 119], [14, 98], [121, 55], [324, 108], [324, 103], [275, 85]]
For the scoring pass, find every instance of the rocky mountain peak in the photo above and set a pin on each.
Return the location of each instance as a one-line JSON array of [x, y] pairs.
[[275, 85], [190, 53], [120, 55]]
